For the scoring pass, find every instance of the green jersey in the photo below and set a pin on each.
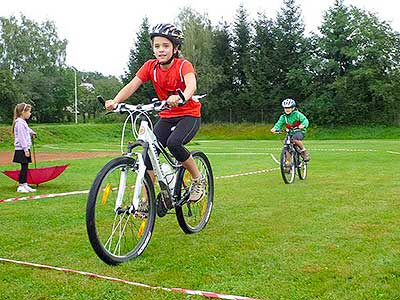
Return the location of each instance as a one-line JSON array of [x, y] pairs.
[[294, 119]]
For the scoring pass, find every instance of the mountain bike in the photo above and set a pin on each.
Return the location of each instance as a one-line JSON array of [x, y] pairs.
[[291, 159], [122, 204]]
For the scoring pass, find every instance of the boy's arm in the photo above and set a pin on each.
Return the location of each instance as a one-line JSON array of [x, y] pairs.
[[303, 120], [278, 125]]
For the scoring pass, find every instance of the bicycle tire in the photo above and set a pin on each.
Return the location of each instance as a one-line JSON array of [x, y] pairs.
[[118, 235], [287, 168], [193, 217], [301, 166]]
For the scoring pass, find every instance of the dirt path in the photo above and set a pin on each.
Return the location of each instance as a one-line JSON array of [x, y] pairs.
[[7, 156]]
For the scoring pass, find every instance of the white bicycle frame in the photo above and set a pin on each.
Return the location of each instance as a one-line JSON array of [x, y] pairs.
[[146, 136]]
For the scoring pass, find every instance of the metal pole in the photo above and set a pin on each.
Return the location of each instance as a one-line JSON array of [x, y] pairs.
[[76, 98]]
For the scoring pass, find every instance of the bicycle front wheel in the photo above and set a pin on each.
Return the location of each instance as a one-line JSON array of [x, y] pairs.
[[287, 166], [301, 167], [193, 217], [118, 232]]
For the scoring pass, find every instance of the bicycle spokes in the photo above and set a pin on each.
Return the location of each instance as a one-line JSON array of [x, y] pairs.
[[193, 217], [117, 230]]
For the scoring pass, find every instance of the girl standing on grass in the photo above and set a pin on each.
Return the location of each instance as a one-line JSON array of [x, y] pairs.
[[22, 141]]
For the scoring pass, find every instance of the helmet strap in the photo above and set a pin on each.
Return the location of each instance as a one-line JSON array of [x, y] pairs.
[[175, 54], [168, 61]]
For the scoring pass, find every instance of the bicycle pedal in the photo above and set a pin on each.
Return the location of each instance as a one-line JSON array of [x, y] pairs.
[[161, 208], [166, 199]]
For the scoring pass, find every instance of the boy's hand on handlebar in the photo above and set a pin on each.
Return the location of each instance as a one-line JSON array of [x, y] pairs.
[[110, 105], [273, 130], [301, 126], [173, 100]]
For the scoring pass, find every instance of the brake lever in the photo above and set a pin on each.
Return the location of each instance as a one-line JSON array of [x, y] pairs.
[[103, 103], [101, 100], [182, 96]]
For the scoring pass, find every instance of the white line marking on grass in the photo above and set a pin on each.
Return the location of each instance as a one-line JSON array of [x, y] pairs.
[[274, 159], [247, 173], [87, 191], [176, 290], [44, 196], [237, 153], [343, 150], [393, 152]]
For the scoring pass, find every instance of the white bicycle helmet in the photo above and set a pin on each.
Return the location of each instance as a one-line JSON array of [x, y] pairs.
[[288, 103], [168, 31]]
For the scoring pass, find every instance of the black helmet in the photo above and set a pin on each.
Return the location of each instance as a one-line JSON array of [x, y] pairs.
[[168, 31]]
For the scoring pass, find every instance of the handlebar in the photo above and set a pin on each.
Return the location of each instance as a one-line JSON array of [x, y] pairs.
[[287, 130], [155, 105]]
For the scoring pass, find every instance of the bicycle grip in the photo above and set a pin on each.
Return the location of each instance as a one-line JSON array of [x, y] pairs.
[[101, 100], [182, 96]]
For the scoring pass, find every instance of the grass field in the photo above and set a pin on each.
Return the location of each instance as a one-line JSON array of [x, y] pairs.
[[334, 236]]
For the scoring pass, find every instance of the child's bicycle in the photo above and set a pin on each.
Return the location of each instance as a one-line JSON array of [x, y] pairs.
[[122, 203], [291, 159]]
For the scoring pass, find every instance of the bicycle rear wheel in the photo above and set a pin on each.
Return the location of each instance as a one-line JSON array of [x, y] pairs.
[[118, 233], [193, 217], [287, 166]]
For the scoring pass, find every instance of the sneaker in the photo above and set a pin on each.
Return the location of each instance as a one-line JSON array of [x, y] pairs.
[[143, 209], [197, 189], [305, 155], [143, 205], [27, 187], [22, 189]]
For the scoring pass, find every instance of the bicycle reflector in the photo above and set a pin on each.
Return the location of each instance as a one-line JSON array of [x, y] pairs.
[[106, 193]]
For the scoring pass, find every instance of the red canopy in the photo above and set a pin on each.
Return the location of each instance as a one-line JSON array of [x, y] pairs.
[[38, 175]]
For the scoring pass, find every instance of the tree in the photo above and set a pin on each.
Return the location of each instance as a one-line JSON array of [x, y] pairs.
[[139, 54], [220, 99], [359, 61], [35, 57], [90, 85], [241, 49], [30, 46], [9, 96], [290, 56], [262, 78], [198, 49]]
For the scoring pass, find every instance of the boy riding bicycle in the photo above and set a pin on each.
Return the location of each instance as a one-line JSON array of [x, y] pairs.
[[293, 119], [178, 125]]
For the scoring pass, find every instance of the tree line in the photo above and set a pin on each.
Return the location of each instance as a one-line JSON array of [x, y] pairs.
[[347, 73]]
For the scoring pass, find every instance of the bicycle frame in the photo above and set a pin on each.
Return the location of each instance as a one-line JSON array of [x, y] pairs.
[[146, 139]]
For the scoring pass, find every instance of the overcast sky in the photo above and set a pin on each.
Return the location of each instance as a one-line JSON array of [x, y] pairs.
[[100, 33]]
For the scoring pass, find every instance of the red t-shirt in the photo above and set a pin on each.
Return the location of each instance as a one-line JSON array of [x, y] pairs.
[[166, 82]]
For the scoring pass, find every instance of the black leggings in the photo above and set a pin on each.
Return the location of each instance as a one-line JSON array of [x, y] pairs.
[[185, 129], [23, 174]]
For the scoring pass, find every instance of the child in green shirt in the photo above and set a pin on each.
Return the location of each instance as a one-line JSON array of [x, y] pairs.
[[292, 118]]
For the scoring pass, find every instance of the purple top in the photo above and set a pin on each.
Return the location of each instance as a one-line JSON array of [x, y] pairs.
[[22, 135]]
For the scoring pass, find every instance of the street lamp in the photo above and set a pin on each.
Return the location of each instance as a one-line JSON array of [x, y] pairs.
[[76, 97]]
